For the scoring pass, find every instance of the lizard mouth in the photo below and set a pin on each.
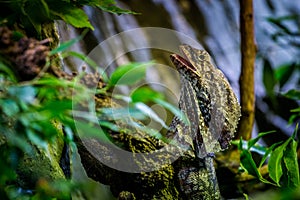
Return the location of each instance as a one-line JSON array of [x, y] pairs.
[[181, 62]]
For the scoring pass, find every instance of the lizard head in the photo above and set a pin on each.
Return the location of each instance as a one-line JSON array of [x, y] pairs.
[[194, 62]]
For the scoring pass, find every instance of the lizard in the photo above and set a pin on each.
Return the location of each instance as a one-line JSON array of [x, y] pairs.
[[213, 114], [213, 110]]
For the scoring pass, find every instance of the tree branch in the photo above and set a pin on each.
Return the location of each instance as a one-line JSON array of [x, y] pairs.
[[248, 51]]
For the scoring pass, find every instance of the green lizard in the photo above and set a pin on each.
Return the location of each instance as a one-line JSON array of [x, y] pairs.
[[213, 110]]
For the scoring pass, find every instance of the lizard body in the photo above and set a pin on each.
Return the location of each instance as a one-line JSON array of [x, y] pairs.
[[213, 111]]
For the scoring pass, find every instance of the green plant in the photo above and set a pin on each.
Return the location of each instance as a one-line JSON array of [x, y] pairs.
[[30, 112], [34, 13], [282, 164]]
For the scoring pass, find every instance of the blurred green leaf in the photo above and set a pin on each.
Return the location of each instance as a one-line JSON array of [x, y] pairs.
[[35, 139], [70, 14], [64, 46], [88, 61], [150, 113], [16, 35], [109, 125], [128, 74], [110, 6], [59, 106], [9, 107], [284, 72], [296, 110], [37, 12], [124, 113], [279, 22], [293, 94], [67, 44], [16, 139], [107, 5], [9, 160], [240, 144], [293, 118], [145, 94], [269, 79], [23, 93], [7, 70], [86, 129]]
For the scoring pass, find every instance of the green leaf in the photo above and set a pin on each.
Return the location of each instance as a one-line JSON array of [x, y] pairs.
[[16, 139], [128, 74], [121, 113], [7, 70], [88, 61], [9, 107], [284, 72], [279, 22], [255, 140], [240, 144], [67, 44], [85, 129], [64, 46], [295, 131], [275, 162], [23, 93], [248, 163], [267, 153], [35, 139], [293, 94], [296, 110], [56, 107], [269, 79], [71, 15], [293, 118], [291, 163], [116, 10], [149, 112], [36, 12], [110, 6], [145, 94], [109, 125]]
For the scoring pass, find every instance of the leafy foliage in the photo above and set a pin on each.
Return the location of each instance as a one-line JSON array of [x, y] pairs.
[[284, 35], [280, 82], [33, 14], [282, 165], [29, 111], [128, 74]]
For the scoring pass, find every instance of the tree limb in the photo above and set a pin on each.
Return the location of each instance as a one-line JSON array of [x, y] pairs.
[[248, 51]]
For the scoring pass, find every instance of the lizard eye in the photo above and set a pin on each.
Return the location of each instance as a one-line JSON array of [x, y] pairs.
[[204, 56], [201, 57]]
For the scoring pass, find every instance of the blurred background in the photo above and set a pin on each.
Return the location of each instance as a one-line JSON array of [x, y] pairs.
[[215, 25]]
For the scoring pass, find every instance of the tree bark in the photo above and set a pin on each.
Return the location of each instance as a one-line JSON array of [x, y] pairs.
[[248, 53]]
